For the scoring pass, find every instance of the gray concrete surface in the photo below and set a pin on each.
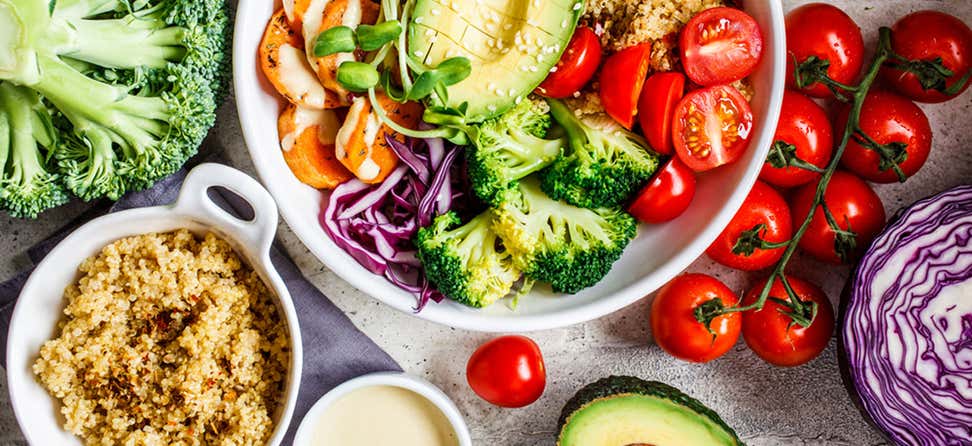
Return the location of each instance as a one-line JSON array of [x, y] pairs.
[[767, 405]]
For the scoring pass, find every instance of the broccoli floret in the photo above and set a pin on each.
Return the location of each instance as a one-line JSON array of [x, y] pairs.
[[132, 86], [569, 247], [510, 147], [29, 186], [604, 164], [467, 263]]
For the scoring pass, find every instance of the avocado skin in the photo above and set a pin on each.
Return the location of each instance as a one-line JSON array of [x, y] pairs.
[[625, 385]]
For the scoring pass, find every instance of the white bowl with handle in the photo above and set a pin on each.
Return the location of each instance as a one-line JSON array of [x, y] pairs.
[[658, 254], [41, 302]]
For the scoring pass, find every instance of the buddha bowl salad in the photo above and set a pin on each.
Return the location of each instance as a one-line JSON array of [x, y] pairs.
[[471, 148]]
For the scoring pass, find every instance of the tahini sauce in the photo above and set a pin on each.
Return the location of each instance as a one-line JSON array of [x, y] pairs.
[[383, 416]]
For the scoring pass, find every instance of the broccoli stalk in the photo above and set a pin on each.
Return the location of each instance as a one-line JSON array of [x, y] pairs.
[[28, 185], [467, 263], [569, 247], [132, 86], [605, 163], [510, 147]]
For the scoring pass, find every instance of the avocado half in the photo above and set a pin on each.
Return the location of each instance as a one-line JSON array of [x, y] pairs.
[[628, 411], [511, 44]]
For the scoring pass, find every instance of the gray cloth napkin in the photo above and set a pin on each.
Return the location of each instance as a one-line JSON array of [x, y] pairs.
[[334, 349]]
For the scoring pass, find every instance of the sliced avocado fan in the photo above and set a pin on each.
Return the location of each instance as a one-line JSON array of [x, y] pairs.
[[628, 411], [512, 45]]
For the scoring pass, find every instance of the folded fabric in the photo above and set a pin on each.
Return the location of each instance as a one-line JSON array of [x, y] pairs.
[[334, 349]]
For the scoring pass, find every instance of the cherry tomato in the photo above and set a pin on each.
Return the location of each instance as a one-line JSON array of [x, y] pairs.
[[659, 96], [771, 334], [853, 204], [822, 30], [712, 127], [927, 35], [887, 118], [720, 46], [805, 126], [576, 67], [667, 196], [673, 322], [764, 206], [507, 371], [622, 77]]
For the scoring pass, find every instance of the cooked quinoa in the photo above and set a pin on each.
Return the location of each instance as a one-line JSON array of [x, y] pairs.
[[168, 339]]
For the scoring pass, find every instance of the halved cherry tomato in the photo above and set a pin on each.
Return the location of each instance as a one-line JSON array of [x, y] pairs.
[[854, 206], [622, 78], [576, 67], [926, 35], [507, 371], [763, 207], [673, 323], [804, 126], [824, 31], [773, 336], [887, 118], [659, 96], [720, 46], [712, 127], [667, 195]]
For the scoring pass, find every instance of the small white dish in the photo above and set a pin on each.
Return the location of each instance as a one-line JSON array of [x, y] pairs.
[[658, 254], [40, 305], [395, 379]]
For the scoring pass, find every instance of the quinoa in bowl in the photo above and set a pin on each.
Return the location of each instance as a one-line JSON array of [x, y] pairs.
[[168, 339]]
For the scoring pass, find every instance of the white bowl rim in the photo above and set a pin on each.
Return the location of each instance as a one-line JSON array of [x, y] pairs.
[[307, 229], [256, 236], [403, 380]]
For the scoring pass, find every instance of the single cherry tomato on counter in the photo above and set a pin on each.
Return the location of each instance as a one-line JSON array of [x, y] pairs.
[[673, 323], [804, 133], [755, 237], [667, 196], [926, 36], [829, 34], [507, 371], [711, 127], [576, 67], [720, 46], [854, 206], [656, 107], [622, 77], [890, 121], [773, 336]]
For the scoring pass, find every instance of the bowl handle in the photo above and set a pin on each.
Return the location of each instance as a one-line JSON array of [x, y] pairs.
[[194, 200]]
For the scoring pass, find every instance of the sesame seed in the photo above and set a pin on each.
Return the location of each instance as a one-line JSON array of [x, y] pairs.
[[512, 92], [518, 100], [491, 108], [578, 6], [418, 20], [436, 11], [418, 53], [553, 69], [533, 69], [429, 33], [564, 24], [576, 94]]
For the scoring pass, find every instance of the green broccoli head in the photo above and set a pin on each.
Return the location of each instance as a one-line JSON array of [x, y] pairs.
[[569, 247], [467, 263], [29, 185], [604, 166], [510, 147], [132, 86]]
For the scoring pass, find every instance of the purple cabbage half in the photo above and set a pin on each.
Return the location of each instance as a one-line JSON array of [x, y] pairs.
[[375, 223], [906, 335]]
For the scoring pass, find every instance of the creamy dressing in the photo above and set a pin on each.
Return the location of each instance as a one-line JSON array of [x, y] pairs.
[[383, 415], [351, 19], [298, 79], [288, 7], [312, 26], [304, 118], [358, 106]]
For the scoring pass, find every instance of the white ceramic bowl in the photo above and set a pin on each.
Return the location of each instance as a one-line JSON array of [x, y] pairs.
[[396, 379], [659, 253], [41, 301]]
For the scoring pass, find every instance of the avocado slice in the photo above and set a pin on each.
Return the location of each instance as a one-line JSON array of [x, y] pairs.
[[512, 45], [628, 411]]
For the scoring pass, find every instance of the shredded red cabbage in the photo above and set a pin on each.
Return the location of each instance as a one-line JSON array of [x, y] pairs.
[[907, 326], [375, 223]]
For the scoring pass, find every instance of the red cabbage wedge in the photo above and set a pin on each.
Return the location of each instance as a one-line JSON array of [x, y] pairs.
[[907, 326]]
